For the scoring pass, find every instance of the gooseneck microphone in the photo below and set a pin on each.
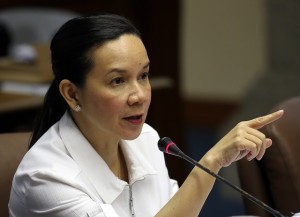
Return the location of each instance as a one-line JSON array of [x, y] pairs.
[[166, 145]]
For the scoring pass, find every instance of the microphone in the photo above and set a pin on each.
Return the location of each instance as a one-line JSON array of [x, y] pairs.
[[166, 145]]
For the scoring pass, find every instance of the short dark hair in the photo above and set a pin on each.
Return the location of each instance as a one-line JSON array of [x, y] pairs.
[[71, 59]]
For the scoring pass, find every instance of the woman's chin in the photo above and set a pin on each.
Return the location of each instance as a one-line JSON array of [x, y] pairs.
[[132, 135]]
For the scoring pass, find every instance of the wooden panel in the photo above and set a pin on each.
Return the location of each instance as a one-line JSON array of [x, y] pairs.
[[208, 113]]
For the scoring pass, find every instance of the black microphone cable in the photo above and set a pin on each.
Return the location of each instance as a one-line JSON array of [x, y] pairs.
[[166, 145]]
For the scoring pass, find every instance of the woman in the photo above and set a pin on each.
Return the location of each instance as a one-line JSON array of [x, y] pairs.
[[92, 153]]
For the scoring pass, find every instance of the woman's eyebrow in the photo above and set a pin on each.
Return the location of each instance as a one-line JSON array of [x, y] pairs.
[[146, 65], [122, 71]]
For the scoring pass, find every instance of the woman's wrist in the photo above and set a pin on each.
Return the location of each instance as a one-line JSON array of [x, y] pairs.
[[210, 162]]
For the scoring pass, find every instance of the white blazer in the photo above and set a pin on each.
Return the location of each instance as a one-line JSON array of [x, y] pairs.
[[63, 176]]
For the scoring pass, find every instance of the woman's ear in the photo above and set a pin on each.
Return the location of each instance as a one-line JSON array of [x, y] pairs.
[[68, 90]]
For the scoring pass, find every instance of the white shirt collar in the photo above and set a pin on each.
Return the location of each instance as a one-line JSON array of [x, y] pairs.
[[108, 186]]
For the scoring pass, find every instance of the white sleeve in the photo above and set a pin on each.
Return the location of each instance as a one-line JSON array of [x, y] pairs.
[[53, 196], [174, 187]]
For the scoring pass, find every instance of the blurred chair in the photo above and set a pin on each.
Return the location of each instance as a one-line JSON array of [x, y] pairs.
[[4, 40], [276, 178], [31, 30], [13, 146], [30, 25]]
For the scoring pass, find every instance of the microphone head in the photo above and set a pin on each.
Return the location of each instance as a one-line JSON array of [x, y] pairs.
[[166, 145], [163, 143]]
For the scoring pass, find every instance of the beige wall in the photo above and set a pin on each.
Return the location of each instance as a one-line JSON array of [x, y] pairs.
[[223, 47]]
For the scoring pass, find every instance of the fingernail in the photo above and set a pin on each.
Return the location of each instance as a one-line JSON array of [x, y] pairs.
[[250, 158]]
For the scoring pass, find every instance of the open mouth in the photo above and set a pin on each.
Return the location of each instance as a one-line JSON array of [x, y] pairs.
[[135, 119]]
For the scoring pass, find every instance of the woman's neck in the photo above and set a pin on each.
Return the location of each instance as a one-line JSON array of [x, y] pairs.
[[123, 170], [109, 149], [111, 152]]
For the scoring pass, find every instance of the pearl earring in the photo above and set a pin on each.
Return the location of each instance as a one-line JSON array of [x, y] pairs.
[[77, 108]]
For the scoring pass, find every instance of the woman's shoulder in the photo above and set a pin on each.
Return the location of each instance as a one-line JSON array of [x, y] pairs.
[[48, 154]]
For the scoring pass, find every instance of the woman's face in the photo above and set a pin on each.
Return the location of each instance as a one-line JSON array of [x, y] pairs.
[[117, 94]]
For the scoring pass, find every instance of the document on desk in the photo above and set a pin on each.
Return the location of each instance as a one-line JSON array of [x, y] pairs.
[[36, 71], [38, 89]]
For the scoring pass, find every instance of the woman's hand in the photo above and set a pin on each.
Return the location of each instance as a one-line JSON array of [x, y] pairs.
[[243, 140]]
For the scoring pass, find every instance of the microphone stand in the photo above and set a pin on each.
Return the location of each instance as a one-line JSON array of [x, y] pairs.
[[244, 193]]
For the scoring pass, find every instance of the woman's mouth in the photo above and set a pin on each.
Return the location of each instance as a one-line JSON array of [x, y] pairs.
[[135, 119]]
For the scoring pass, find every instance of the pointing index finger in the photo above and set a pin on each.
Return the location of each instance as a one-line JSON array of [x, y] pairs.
[[260, 122]]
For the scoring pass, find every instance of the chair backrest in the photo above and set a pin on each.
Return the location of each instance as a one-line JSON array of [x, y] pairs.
[[30, 25], [276, 178], [13, 146], [30, 30]]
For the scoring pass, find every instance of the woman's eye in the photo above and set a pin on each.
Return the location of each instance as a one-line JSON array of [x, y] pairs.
[[145, 76], [117, 81]]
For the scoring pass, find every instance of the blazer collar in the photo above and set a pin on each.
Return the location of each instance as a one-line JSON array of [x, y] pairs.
[[108, 186]]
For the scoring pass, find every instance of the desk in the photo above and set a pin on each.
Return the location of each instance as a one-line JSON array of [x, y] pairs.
[[18, 111], [15, 102]]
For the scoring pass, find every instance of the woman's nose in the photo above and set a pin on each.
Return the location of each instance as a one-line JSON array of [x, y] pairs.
[[138, 95]]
